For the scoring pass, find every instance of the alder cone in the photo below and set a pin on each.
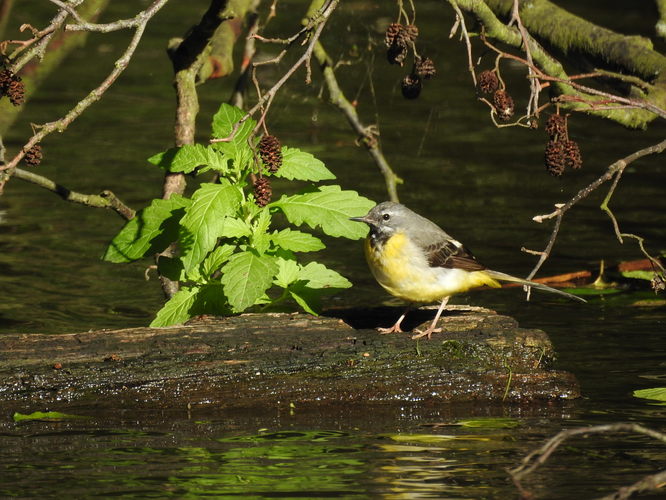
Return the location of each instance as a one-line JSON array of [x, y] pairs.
[[424, 68], [262, 191], [503, 104], [488, 81], [554, 158], [572, 156], [33, 156], [270, 151], [556, 126], [411, 86]]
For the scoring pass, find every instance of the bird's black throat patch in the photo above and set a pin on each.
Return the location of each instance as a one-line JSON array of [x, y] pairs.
[[378, 237]]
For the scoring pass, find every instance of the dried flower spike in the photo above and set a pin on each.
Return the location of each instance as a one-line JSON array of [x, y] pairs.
[[503, 104], [33, 156], [262, 191], [411, 86], [270, 151], [488, 81]]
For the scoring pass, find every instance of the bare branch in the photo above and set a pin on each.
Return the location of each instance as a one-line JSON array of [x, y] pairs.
[[614, 169], [538, 457], [95, 94], [106, 199]]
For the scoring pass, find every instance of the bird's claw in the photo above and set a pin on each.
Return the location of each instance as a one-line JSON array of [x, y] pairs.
[[426, 333], [393, 329]]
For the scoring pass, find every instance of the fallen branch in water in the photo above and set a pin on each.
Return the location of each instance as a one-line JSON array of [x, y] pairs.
[[539, 456]]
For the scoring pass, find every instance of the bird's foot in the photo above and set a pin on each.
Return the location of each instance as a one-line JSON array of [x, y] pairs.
[[426, 333], [394, 329]]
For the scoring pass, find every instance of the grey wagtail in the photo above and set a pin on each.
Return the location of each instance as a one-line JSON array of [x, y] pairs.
[[417, 261]]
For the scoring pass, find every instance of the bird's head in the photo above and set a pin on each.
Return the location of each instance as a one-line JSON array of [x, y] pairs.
[[386, 219]]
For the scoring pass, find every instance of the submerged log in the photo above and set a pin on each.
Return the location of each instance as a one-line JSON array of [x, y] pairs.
[[272, 359]]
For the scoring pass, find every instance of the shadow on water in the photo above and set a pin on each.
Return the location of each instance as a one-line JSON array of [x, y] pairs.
[[483, 185]]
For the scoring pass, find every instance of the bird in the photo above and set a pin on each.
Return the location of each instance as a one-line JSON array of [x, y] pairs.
[[415, 260]]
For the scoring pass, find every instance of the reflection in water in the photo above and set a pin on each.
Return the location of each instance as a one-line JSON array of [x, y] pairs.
[[429, 457]]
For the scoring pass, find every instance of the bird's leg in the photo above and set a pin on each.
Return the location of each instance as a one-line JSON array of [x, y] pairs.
[[395, 328], [431, 329]]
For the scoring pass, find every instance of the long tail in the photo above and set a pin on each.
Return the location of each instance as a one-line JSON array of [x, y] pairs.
[[507, 277]]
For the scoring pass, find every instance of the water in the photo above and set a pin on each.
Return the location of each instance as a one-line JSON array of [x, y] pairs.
[[482, 184]]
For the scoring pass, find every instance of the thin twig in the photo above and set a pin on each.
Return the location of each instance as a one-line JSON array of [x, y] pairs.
[[267, 97], [535, 86], [460, 19], [368, 135], [561, 209]]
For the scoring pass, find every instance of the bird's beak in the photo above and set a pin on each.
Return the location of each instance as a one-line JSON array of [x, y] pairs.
[[365, 219]]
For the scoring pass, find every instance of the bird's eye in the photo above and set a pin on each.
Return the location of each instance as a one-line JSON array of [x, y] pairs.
[[386, 216]]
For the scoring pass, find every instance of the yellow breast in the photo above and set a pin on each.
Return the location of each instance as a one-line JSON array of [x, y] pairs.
[[402, 269]]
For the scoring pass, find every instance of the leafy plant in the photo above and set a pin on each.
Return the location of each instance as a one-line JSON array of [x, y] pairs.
[[230, 258]]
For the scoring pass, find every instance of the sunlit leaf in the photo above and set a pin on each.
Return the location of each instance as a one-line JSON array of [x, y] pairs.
[[204, 220], [319, 276], [328, 207], [297, 241], [149, 232], [46, 415], [287, 272], [656, 393], [639, 274], [246, 277], [177, 308], [188, 157], [490, 423], [297, 164]]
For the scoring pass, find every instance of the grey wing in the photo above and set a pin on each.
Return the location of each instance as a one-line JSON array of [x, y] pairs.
[[452, 254]]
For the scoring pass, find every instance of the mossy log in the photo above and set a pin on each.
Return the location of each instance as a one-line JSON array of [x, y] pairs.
[[270, 359]]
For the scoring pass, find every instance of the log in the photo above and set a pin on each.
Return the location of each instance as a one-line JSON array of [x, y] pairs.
[[277, 359]]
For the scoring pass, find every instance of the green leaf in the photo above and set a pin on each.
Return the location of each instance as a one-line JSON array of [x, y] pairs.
[[188, 157], [287, 272], [149, 232], [260, 236], [216, 258], [235, 228], [226, 118], [307, 298], [177, 308], [319, 276], [211, 300], [297, 241], [297, 164], [246, 277], [639, 274], [237, 147], [490, 423], [328, 207], [204, 220], [656, 393], [46, 415]]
